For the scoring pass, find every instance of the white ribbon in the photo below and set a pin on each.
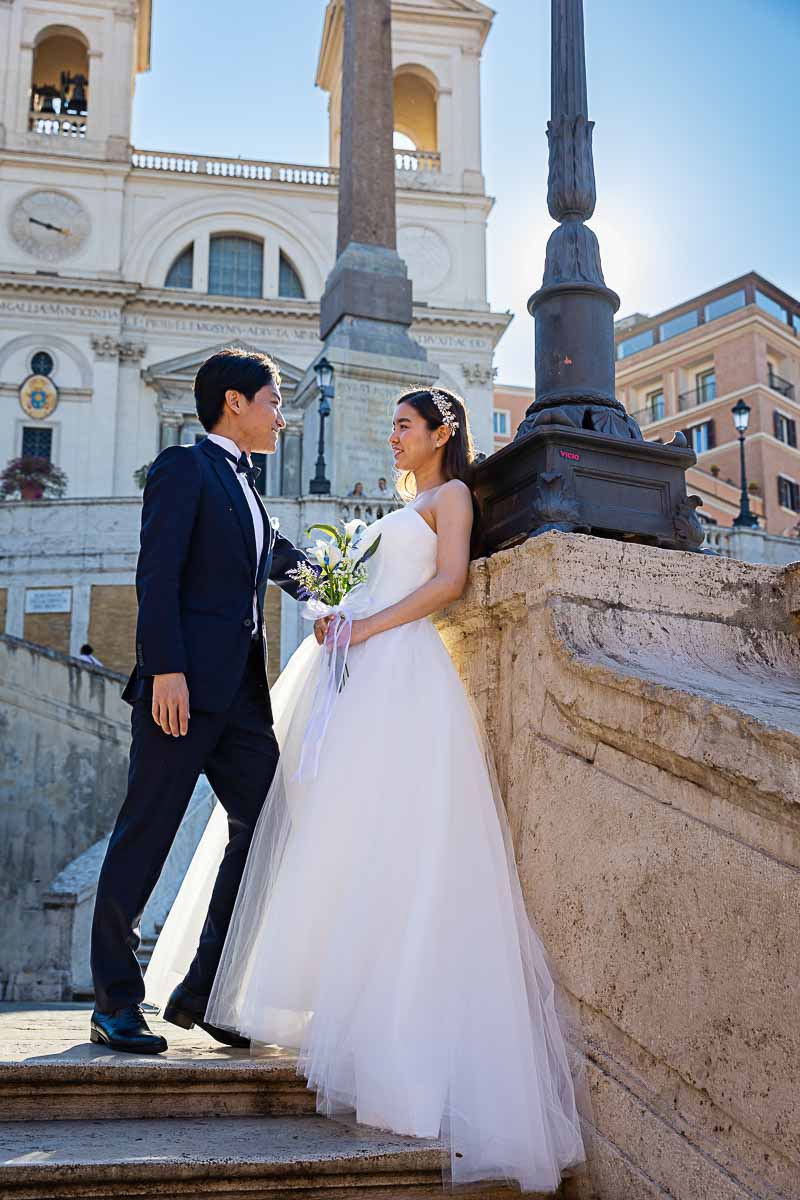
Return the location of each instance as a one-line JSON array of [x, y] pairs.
[[333, 672]]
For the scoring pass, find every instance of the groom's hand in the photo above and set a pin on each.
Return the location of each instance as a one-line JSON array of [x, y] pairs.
[[171, 704]]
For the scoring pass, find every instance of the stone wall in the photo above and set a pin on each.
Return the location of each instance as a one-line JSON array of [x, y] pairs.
[[64, 736], [644, 709]]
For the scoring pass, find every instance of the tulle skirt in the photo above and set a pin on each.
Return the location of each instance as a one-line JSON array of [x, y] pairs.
[[380, 928]]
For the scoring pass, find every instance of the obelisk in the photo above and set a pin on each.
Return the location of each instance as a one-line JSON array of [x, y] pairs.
[[366, 309], [367, 300]]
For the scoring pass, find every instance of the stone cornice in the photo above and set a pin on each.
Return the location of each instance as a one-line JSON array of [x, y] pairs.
[[133, 297], [60, 285]]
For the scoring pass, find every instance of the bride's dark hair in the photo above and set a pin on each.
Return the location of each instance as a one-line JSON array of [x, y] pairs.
[[459, 451]]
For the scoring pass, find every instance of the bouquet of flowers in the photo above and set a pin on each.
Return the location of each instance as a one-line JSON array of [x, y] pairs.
[[342, 557], [336, 589]]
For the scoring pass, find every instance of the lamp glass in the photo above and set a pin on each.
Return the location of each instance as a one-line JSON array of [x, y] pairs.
[[324, 372], [741, 416]]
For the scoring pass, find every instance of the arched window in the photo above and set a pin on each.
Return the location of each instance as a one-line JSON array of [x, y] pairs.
[[415, 109], [235, 266], [289, 282], [180, 273], [60, 82]]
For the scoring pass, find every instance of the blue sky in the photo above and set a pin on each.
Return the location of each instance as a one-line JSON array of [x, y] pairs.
[[697, 142]]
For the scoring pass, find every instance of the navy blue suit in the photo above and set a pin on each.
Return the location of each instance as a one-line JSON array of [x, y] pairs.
[[194, 582]]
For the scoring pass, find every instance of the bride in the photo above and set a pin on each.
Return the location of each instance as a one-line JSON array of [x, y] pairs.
[[380, 927]]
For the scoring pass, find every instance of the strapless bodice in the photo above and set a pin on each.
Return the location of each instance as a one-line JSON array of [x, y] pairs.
[[405, 559]]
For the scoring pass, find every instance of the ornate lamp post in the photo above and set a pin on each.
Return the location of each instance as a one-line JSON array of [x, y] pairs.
[[741, 419], [320, 485], [578, 462]]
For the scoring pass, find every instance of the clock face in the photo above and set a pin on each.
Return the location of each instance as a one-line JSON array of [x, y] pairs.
[[49, 225]]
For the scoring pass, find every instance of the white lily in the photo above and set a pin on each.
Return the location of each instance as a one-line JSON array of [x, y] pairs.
[[351, 528], [327, 553]]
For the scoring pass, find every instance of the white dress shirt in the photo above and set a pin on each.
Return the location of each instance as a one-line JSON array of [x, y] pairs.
[[252, 504]]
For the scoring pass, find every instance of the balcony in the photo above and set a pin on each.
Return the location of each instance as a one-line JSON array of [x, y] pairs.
[[783, 386], [653, 412], [407, 163], [58, 124], [699, 395]]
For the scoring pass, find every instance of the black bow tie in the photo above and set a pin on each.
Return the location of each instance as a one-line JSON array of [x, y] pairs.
[[244, 466]]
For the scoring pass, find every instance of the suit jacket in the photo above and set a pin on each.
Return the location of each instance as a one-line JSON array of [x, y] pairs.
[[195, 576]]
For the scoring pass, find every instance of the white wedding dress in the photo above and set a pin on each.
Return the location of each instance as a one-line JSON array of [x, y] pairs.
[[380, 927]]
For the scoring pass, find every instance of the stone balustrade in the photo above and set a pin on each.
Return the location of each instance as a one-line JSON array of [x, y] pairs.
[[407, 162]]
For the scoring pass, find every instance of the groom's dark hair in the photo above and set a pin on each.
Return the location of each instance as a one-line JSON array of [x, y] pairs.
[[245, 371]]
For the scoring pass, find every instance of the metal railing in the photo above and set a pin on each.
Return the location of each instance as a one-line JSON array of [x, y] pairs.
[[201, 165], [778, 384], [653, 412], [700, 395]]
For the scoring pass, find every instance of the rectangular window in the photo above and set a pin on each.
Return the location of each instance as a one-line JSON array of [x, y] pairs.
[[725, 305], [771, 306], [502, 422], [37, 442], [701, 437], [796, 322], [788, 494], [655, 405], [631, 345], [785, 429], [680, 324], [706, 386]]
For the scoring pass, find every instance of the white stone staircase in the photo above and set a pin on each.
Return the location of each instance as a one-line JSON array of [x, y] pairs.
[[202, 1120]]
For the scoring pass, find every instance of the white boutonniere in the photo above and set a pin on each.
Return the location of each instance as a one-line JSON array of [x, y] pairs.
[[275, 523]]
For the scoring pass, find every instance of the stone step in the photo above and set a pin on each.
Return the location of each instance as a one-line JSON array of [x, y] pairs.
[[114, 1087], [305, 1158], [52, 1071]]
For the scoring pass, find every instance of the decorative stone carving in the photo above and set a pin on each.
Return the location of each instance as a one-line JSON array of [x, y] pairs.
[[426, 254], [478, 374], [131, 352], [105, 347]]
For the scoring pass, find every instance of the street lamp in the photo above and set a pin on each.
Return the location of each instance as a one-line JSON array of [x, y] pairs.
[[320, 485], [741, 419]]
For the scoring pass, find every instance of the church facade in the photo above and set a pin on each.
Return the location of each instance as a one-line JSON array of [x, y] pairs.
[[122, 268]]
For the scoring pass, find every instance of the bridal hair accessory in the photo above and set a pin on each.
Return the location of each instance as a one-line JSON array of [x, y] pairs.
[[445, 407]]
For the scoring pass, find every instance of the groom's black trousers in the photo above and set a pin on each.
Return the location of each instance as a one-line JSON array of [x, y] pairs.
[[238, 751]]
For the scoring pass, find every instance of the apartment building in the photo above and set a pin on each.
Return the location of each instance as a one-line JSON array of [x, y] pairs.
[[686, 368]]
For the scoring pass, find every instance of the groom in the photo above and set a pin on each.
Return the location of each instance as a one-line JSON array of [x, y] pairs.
[[199, 688]]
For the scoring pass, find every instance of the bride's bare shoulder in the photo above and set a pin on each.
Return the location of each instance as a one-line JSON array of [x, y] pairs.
[[454, 496]]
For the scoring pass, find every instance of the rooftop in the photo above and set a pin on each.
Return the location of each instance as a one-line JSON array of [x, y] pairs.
[[640, 332]]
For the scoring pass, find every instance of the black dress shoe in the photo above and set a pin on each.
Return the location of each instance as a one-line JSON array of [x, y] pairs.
[[187, 1010], [126, 1029]]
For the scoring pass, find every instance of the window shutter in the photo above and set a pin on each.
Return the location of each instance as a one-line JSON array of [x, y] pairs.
[[712, 439], [794, 497], [687, 433], [781, 497], [791, 427], [776, 425]]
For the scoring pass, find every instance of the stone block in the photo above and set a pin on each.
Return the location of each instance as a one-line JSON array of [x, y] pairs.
[[644, 710]]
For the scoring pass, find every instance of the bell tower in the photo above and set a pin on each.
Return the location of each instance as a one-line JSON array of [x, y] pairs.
[[66, 85], [436, 60]]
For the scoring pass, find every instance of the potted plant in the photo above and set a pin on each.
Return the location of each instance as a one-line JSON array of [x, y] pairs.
[[32, 478], [753, 488], [714, 469]]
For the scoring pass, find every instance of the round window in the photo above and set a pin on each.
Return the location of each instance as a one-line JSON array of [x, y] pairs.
[[41, 363]]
